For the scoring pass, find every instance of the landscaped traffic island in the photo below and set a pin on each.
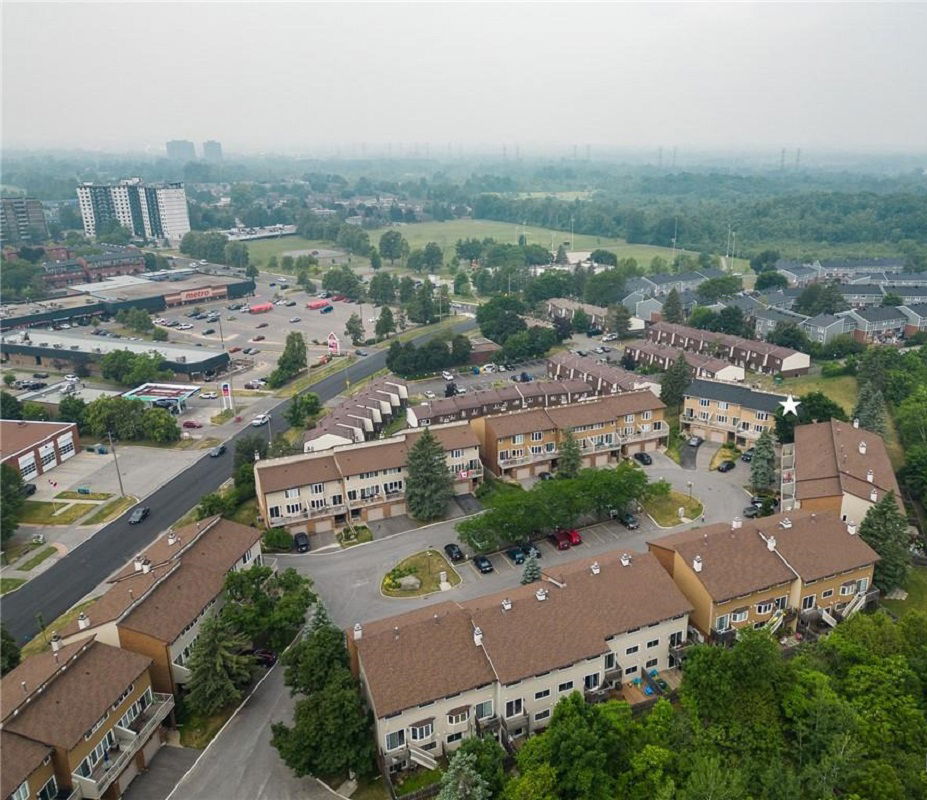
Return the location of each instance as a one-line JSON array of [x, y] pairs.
[[664, 508], [423, 569]]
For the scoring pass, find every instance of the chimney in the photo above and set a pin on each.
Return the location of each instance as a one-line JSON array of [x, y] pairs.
[[23, 684], [785, 523], [870, 475], [358, 631], [171, 538], [506, 604], [595, 569], [83, 621], [874, 496], [855, 423], [851, 527], [771, 543], [697, 563], [625, 560], [56, 643], [146, 566], [478, 636], [736, 523], [257, 456], [541, 594], [862, 448], [138, 563]]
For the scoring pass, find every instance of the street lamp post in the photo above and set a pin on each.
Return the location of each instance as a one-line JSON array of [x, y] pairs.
[[689, 484], [112, 447]]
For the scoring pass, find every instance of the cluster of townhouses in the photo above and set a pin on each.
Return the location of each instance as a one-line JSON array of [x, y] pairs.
[[84, 718], [613, 626]]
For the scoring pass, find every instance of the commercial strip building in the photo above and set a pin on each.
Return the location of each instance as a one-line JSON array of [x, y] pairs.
[[747, 353], [80, 721], [604, 378], [360, 417], [499, 664], [836, 467], [22, 221], [34, 448], [356, 483], [522, 444], [511, 397], [702, 365], [155, 211], [800, 568], [726, 412]]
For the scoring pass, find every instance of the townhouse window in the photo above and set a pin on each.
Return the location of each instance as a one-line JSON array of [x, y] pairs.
[[395, 740], [630, 670], [762, 415], [781, 603], [645, 428], [317, 488], [337, 499], [628, 430], [542, 694], [458, 717], [513, 708], [503, 455], [658, 425], [246, 557], [862, 584], [676, 638], [393, 486], [652, 643], [703, 415], [550, 447], [536, 450], [631, 650], [826, 593], [22, 793], [740, 615], [454, 737], [96, 726], [848, 588], [518, 453], [652, 663], [807, 603], [369, 491], [456, 454], [764, 608], [703, 402], [647, 415], [291, 493], [566, 686], [591, 681], [722, 623], [537, 436], [49, 791], [293, 508], [484, 710], [317, 503], [722, 419], [722, 405], [518, 438], [609, 661], [629, 418], [421, 732]]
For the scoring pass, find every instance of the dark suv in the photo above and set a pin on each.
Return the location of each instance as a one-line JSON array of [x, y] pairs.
[[301, 542]]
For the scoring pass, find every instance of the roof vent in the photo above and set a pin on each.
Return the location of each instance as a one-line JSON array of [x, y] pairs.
[[870, 475], [697, 563], [874, 496], [395, 631], [771, 543], [541, 594], [625, 560], [171, 538], [851, 527], [23, 684], [595, 569], [736, 523], [358, 631], [855, 423], [506, 604], [785, 523], [862, 448], [146, 566], [83, 621], [478, 636], [138, 563], [56, 643]]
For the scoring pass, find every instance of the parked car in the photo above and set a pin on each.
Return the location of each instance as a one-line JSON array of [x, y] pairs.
[[263, 325], [290, 303], [295, 319], [447, 375], [530, 550], [217, 451], [39, 374], [545, 476], [695, 441], [750, 512], [259, 420], [209, 332], [429, 394], [327, 310], [235, 349], [516, 556], [726, 466], [453, 551], [360, 353], [266, 658], [192, 423], [259, 338], [627, 519], [483, 564], [572, 534], [747, 456], [301, 542], [28, 489], [139, 514], [559, 540], [208, 396], [643, 458]]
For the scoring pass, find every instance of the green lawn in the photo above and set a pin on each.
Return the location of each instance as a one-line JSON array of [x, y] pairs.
[[37, 559], [111, 510], [38, 512], [41, 641], [843, 389], [916, 587], [727, 452], [665, 509], [420, 779], [371, 789], [197, 731], [9, 584], [426, 566], [79, 496]]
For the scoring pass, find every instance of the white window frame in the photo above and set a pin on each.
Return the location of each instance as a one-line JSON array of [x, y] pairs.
[[542, 694], [566, 686], [651, 663], [491, 705], [652, 643], [419, 733], [827, 593], [290, 493], [460, 718], [542, 715], [630, 670], [512, 705], [765, 607], [631, 650], [740, 616], [807, 603], [401, 736], [722, 622], [22, 793], [592, 681], [518, 438], [318, 488], [536, 436]]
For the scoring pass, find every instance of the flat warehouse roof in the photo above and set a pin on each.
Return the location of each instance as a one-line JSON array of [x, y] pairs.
[[145, 288], [69, 341], [154, 391]]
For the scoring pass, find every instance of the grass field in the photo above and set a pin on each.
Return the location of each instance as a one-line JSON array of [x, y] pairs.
[[425, 566], [79, 496], [111, 510], [916, 587], [37, 559], [261, 250], [37, 512], [9, 584], [664, 509]]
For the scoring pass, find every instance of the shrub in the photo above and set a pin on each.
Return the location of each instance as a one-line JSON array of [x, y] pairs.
[[278, 539]]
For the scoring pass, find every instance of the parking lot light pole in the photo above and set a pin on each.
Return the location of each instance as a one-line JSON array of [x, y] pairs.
[[689, 484], [112, 447]]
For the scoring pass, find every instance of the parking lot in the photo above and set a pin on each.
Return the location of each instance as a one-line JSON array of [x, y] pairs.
[[465, 379]]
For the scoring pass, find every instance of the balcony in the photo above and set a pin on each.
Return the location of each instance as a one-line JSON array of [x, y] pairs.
[[529, 458], [488, 724], [181, 673], [128, 742]]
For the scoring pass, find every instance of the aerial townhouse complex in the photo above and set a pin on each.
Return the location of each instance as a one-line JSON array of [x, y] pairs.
[[512, 397], [356, 483], [525, 443], [702, 365], [838, 467], [80, 721], [498, 664], [603, 377], [360, 417], [801, 568], [726, 412], [156, 604], [881, 325], [747, 353]]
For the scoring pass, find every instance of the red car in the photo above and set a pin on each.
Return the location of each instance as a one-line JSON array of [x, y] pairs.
[[339, 297], [192, 423], [234, 349], [572, 535], [560, 540]]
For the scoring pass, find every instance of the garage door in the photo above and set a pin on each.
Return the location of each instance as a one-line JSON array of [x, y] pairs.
[[375, 514], [716, 436], [396, 509], [152, 747], [521, 474], [128, 775]]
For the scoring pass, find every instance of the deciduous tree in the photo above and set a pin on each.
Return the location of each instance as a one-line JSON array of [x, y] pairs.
[[11, 495], [354, 328], [9, 651], [391, 245]]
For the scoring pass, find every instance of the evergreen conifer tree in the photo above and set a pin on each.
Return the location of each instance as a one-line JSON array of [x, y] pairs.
[[870, 409], [675, 382], [532, 571], [885, 530], [428, 483], [763, 465], [570, 459], [218, 672], [672, 308], [461, 781]]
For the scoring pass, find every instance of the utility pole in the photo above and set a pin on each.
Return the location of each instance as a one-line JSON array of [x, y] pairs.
[[112, 447], [572, 242]]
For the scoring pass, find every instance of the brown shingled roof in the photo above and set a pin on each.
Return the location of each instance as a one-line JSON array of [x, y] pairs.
[[285, 473], [78, 696], [19, 758], [33, 671]]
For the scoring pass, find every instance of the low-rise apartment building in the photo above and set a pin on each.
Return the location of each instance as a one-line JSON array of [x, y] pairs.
[[726, 412], [80, 721], [360, 417], [525, 443], [915, 319], [603, 377], [835, 466], [113, 261], [824, 328], [861, 295], [156, 604], [797, 274], [498, 664], [747, 353], [882, 324], [768, 319], [564, 308], [512, 397], [702, 365], [357, 483], [768, 572]]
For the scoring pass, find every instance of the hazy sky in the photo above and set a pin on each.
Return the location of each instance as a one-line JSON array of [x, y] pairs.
[[295, 77]]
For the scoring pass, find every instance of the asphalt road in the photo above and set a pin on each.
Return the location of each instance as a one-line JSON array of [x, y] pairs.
[[57, 589]]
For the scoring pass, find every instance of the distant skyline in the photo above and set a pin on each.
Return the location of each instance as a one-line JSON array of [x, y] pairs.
[[318, 78]]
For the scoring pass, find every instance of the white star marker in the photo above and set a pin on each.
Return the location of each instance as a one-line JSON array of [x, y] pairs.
[[790, 405]]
